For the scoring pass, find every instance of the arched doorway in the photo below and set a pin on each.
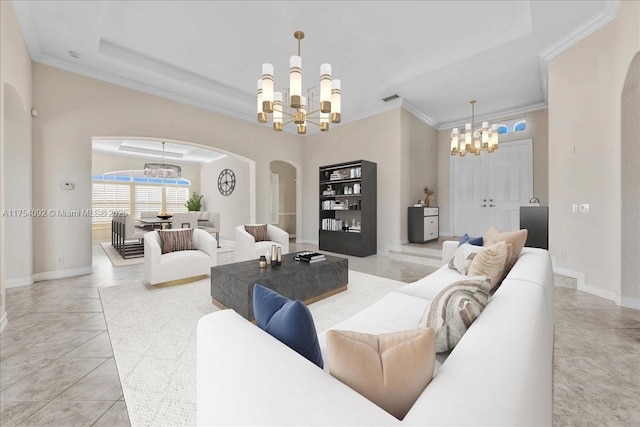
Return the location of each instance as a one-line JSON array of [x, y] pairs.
[[283, 198], [630, 168]]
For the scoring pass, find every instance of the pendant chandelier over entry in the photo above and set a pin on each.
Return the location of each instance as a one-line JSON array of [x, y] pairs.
[[162, 170], [485, 139], [291, 105]]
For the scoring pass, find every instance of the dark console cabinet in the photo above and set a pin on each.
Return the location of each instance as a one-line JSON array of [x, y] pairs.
[[348, 208], [536, 220]]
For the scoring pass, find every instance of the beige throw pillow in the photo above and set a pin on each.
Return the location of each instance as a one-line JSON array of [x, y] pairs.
[[176, 240], [391, 370], [454, 309], [491, 261], [259, 232], [516, 238], [462, 257]]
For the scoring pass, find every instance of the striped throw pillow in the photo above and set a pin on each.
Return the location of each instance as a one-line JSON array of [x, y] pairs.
[[176, 240], [454, 309], [259, 232]]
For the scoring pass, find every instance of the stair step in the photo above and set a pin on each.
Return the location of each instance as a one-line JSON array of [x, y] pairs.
[[416, 257], [421, 250]]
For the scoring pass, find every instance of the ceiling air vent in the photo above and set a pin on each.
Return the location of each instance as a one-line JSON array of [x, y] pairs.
[[391, 97]]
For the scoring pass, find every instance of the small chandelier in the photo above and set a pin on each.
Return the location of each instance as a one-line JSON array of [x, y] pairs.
[[162, 170], [485, 140], [291, 104]]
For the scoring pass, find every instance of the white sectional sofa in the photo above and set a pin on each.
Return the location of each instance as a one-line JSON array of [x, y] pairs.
[[500, 373]]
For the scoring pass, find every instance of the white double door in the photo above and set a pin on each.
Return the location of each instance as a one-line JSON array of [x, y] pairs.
[[489, 189]]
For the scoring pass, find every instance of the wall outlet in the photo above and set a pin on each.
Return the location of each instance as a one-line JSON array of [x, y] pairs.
[[574, 208], [60, 260], [584, 208]]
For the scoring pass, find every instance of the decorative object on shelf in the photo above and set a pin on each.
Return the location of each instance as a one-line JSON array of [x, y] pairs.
[[164, 215], [428, 192], [195, 202], [226, 182], [472, 141], [262, 262], [279, 255], [292, 104], [162, 170]]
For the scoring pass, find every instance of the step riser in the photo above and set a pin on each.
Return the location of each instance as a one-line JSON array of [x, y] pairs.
[[416, 259]]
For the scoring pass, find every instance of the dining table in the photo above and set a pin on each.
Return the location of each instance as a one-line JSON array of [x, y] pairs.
[[162, 223]]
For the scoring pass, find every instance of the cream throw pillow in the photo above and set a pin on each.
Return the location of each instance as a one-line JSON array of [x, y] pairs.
[[454, 309], [491, 261], [462, 257], [516, 238], [391, 370]]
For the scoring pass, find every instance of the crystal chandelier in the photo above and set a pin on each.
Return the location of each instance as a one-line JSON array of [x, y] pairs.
[[162, 170], [291, 106], [473, 142]]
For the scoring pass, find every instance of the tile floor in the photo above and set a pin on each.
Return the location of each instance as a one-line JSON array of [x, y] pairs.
[[57, 366]]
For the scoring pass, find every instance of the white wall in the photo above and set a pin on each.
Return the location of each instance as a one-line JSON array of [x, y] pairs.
[[74, 109], [419, 164], [15, 138], [585, 87], [537, 130], [287, 184], [375, 138], [234, 208]]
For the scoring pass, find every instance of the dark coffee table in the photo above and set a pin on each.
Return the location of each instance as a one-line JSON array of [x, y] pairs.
[[232, 284]]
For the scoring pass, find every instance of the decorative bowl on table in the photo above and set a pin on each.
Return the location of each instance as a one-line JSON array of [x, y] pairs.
[[165, 216]]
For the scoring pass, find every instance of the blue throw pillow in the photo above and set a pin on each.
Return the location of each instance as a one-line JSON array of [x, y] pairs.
[[288, 321], [475, 241]]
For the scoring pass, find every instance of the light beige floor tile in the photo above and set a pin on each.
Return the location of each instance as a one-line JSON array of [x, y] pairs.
[[61, 343], [591, 318], [41, 322], [96, 323], [13, 413], [99, 346], [116, 416], [597, 342], [101, 384], [53, 379], [17, 367], [61, 413]]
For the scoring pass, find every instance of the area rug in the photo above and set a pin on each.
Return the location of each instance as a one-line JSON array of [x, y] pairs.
[[117, 260], [153, 335]]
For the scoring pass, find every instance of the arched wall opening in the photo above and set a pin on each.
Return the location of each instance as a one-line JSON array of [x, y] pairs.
[[285, 199], [17, 178], [235, 208], [630, 171]]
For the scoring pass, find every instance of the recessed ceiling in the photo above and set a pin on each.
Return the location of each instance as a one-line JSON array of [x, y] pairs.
[[144, 149], [436, 55]]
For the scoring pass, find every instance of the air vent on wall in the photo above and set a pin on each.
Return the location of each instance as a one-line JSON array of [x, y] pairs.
[[391, 97]]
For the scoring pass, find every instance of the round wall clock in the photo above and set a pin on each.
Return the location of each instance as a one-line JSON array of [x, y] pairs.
[[226, 182]]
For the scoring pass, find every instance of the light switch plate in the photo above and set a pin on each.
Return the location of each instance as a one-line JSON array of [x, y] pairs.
[[574, 208], [584, 208]]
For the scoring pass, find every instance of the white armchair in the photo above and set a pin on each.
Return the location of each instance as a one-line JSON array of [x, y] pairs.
[[247, 248], [160, 268]]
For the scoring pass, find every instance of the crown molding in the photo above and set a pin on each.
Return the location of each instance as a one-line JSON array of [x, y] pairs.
[[497, 116], [407, 106], [574, 36]]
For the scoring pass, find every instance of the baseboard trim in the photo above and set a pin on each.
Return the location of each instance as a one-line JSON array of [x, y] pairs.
[[602, 293], [61, 274], [18, 282], [629, 302], [3, 322]]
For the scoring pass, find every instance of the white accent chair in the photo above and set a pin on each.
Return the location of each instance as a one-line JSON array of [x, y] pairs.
[[160, 268], [210, 222], [180, 220], [247, 248]]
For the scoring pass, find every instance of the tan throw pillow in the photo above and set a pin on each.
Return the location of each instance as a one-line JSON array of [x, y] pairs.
[[454, 309], [463, 256], [516, 238], [176, 240], [491, 261], [391, 370], [259, 232]]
